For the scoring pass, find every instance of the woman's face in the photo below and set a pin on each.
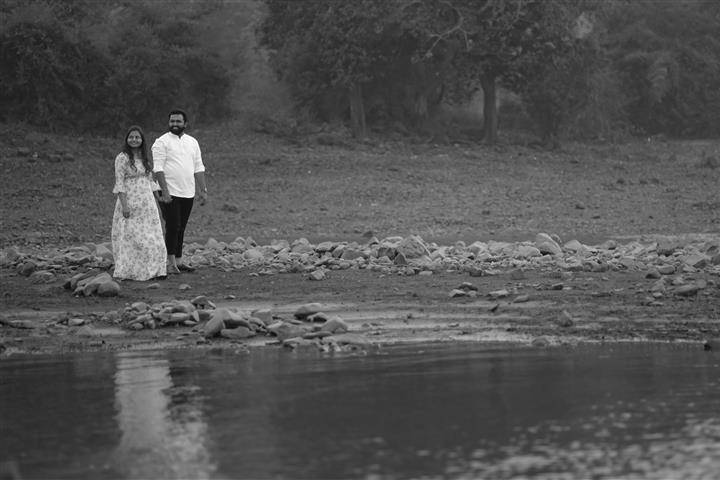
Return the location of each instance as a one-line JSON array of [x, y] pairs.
[[134, 139]]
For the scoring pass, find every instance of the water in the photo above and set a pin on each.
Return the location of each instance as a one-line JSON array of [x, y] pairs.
[[633, 411]]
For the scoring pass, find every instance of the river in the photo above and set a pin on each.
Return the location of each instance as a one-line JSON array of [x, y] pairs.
[[423, 411]]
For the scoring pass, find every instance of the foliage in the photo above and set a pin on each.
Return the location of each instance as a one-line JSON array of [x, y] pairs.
[[325, 46], [556, 80], [667, 56], [49, 72], [148, 60]]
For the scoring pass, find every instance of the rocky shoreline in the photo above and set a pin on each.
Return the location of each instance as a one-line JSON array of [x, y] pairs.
[[540, 292]]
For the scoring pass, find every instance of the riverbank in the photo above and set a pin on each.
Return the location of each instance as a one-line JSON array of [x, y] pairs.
[[320, 219], [339, 296]]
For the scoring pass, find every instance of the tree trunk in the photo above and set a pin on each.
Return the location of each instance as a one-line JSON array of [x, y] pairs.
[[490, 117], [357, 111]]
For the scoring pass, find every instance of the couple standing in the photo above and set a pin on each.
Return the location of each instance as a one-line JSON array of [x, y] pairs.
[[139, 249]]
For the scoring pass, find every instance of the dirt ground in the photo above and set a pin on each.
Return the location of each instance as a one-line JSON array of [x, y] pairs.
[[322, 188]]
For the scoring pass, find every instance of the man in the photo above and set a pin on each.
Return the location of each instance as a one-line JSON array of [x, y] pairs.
[[180, 172]]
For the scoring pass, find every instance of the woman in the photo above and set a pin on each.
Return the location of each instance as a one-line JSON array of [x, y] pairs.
[[137, 238]]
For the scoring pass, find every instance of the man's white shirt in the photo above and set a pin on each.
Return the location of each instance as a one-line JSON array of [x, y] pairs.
[[180, 159]]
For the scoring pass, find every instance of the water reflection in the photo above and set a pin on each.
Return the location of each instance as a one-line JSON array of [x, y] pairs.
[[412, 412], [164, 434]]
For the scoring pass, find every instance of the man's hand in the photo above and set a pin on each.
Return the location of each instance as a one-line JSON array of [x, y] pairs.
[[202, 197], [165, 197]]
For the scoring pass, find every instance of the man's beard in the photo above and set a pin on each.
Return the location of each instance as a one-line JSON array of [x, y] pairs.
[[177, 130]]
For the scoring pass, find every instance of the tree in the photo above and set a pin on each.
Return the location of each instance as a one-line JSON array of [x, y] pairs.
[[486, 39], [60, 70], [667, 56], [50, 73], [555, 81], [324, 45]]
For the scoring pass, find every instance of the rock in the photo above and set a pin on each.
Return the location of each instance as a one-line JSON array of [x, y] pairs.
[[499, 293], [263, 314], [303, 311], [687, 290], [213, 327], [26, 268], [201, 301], [412, 247], [213, 244], [540, 342], [696, 260], [565, 320], [334, 325], [284, 330], [89, 286], [184, 286], [140, 307], [300, 343], [653, 273], [466, 286], [521, 299], [253, 254], [22, 324], [659, 286], [546, 245], [104, 252], [108, 289], [457, 293], [317, 317], [230, 207], [666, 269], [86, 331], [317, 275], [527, 251], [237, 333], [352, 254], [577, 247], [667, 247], [400, 259], [42, 276], [230, 318]]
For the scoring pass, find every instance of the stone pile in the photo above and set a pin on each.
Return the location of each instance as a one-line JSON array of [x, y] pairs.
[[665, 259], [412, 255], [46, 267], [309, 326], [92, 282]]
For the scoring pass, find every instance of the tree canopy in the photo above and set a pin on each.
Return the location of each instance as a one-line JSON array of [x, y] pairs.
[[99, 65]]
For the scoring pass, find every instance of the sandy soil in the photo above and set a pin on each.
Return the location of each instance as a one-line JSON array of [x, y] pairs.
[[269, 188]]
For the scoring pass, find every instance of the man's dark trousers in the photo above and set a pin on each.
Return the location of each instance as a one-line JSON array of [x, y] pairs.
[[176, 214]]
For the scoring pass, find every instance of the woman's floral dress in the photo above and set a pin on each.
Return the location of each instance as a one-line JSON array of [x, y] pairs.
[[137, 242]]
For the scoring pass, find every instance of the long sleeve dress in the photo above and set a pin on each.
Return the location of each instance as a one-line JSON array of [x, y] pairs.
[[137, 242]]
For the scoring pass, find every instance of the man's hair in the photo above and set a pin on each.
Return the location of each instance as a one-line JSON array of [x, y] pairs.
[[177, 111]]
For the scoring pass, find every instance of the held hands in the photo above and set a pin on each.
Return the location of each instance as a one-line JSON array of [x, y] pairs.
[[165, 197]]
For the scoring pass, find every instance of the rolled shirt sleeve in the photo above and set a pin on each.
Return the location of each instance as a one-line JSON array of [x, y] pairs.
[[197, 160], [159, 155]]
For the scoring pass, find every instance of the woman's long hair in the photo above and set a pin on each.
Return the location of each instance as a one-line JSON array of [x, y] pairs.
[[146, 160]]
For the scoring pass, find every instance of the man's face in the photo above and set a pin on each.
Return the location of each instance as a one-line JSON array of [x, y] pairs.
[[176, 123]]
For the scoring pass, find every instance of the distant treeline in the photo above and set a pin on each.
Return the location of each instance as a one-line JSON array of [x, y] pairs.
[[573, 68], [97, 65]]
